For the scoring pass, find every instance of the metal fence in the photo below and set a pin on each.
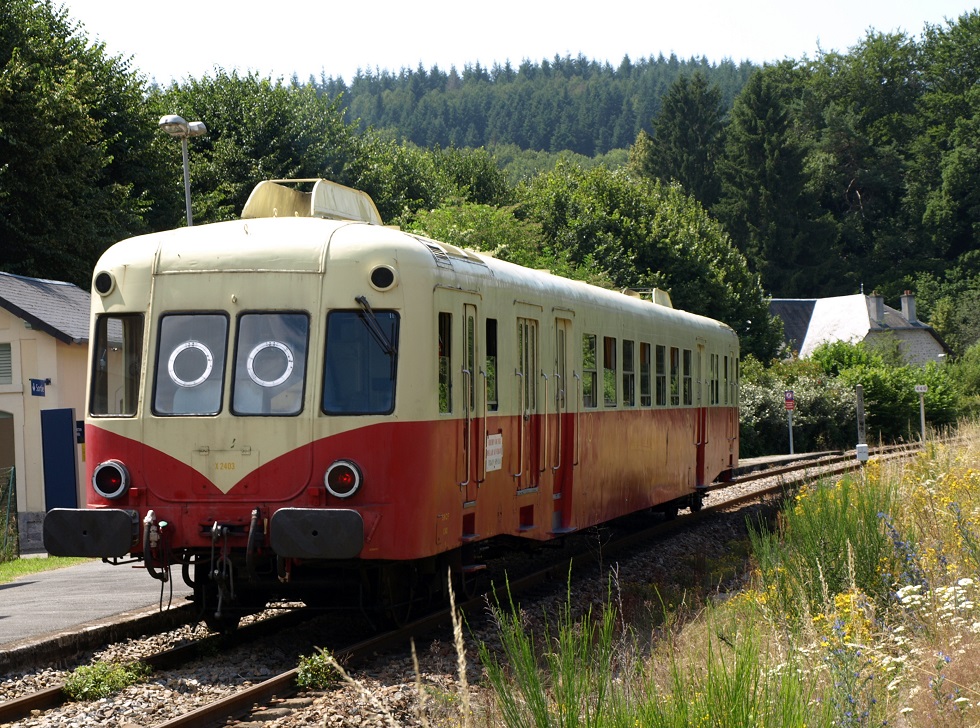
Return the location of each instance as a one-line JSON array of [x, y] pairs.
[[9, 541]]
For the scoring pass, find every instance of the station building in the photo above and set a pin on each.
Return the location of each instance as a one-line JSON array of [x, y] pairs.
[[43, 353]]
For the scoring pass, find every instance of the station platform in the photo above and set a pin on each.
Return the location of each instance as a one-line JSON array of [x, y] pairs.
[[64, 602]]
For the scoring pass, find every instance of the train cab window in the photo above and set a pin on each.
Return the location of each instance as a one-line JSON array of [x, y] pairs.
[[675, 376], [688, 380], [661, 375], [270, 364], [117, 365], [491, 365], [589, 372], [629, 374], [444, 361], [609, 371], [190, 366], [360, 362]]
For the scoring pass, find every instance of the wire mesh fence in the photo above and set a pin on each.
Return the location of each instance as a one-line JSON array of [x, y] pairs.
[[9, 540]]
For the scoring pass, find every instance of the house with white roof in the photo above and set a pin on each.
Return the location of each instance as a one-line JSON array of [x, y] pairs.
[[809, 322], [44, 335]]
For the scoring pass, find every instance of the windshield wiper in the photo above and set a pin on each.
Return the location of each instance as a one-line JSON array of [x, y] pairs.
[[371, 322]]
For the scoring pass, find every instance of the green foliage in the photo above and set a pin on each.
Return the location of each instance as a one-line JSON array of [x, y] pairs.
[[686, 140], [832, 539], [836, 356], [646, 234], [563, 103], [318, 671], [75, 173], [824, 417], [257, 129], [91, 682], [559, 678]]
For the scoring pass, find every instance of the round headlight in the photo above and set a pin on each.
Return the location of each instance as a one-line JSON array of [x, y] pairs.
[[104, 283], [383, 278], [110, 479], [343, 479]]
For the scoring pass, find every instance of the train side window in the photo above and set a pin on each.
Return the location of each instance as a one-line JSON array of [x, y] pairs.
[[688, 381], [360, 363], [675, 376], [190, 366], [527, 362], [714, 379], [491, 370], [646, 397], [609, 370], [661, 375], [629, 375], [270, 364], [117, 365], [444, 362], [725, 379], [589, 372]]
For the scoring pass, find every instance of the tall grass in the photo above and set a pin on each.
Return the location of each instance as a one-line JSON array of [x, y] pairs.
[[862, 610]]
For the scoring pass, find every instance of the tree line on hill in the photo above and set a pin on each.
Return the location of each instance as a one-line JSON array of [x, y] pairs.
[[565, 104], [803, 178]]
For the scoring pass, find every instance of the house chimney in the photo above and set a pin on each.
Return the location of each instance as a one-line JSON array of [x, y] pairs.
[[876, 307], [908, 307]]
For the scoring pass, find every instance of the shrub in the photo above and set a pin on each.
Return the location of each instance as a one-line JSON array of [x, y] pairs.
[[91, 682]]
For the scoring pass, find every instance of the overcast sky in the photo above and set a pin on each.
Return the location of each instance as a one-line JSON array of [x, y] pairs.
[[174, 41]]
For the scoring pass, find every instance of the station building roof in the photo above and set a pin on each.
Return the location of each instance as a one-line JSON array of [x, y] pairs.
[[59, 309]]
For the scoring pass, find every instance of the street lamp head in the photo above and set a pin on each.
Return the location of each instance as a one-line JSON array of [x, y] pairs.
[[175, 126], [196, 128]]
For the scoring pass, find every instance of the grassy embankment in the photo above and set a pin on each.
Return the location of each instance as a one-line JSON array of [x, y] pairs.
[[862, 609]]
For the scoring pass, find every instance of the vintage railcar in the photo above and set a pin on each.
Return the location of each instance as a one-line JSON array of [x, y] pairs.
[[305, 402]]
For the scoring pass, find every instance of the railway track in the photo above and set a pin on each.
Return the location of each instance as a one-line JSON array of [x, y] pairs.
[[748, 487]]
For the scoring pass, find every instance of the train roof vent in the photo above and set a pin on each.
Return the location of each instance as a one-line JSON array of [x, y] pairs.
[[441, 256], [271, 198]]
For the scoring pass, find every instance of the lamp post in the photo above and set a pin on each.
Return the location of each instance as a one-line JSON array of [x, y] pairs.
[[176, 127]]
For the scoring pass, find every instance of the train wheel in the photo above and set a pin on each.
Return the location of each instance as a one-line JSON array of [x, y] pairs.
[[398, 585]]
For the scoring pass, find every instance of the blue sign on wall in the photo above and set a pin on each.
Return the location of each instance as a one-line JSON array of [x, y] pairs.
[[37, 387]]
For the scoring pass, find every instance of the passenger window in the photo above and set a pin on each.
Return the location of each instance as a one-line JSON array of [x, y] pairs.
[[117, 365], [646, 396], [661, 375], [609, 371], [360, 362], [589, 372], [190, 366], [270, 364], [444, 361], [629, 375], [688, 382], [491, 370], [675, 376]]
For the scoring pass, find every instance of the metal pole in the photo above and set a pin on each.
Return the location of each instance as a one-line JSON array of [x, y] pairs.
[[187, 181], [922, 415], [789, 414]]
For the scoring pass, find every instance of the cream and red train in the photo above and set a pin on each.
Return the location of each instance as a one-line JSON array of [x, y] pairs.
[[305, 402]]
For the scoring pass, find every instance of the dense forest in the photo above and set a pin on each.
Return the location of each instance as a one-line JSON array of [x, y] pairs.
[[565, 104], [724, 184]]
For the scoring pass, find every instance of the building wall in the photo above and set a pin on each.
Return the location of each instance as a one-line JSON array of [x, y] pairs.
[[918, 346], [37, 355]]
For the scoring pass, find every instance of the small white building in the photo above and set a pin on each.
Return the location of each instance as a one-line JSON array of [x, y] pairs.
[[43, 354], [809, 322]]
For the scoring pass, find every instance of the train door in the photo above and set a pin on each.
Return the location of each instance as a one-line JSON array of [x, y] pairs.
[[531, 428], [728, 394], [564, 435], [700, 413], [473, 424]]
